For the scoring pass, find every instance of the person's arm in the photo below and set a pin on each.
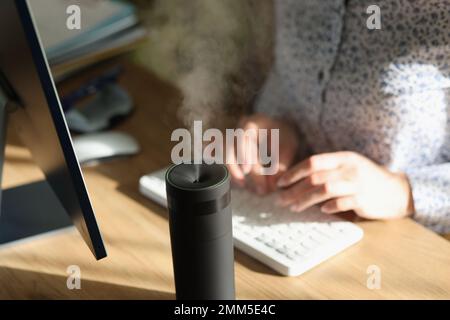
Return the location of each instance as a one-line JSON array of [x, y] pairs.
[[431, 193], [345, 181]]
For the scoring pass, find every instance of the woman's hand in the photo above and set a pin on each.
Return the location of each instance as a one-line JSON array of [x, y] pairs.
[[248, 175], [344, 181]]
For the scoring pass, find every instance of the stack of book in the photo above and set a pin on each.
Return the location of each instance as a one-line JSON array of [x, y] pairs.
[[107, 28]]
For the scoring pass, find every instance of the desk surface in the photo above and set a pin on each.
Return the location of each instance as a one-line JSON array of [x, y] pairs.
[[414, 262]]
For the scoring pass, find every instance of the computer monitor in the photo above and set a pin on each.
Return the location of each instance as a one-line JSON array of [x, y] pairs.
[[29, 102]]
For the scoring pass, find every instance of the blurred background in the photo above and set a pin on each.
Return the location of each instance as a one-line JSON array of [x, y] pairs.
[[216, 52]]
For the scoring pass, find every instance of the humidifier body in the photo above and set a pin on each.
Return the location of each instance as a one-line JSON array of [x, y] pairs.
[[199, 203]]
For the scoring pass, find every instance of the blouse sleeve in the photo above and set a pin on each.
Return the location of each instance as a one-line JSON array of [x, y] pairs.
[[274, 98], [431, 193]]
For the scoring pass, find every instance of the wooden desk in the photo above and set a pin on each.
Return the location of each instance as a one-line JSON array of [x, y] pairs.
[[414, 262]]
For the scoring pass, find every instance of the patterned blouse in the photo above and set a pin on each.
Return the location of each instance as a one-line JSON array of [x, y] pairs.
[[384, 93]]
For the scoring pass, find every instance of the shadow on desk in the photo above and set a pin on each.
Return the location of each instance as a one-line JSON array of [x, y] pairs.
[[240, 257], [35, 285]]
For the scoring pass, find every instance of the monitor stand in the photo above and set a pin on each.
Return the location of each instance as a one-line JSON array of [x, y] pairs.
[[27, 210]]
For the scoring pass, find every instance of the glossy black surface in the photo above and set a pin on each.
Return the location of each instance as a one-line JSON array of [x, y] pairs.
[[39, 120], [198, 198], [196, 176]]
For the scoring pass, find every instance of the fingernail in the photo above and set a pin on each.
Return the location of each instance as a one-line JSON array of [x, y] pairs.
[[246, 169], [324, 209], [238, 175], [279, 201], [281, 183]]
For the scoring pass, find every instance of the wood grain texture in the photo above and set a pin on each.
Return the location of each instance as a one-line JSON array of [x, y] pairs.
[[414, 262]]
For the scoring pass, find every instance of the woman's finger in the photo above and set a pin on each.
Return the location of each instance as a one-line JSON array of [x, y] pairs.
[[339, 205], [323, 193], [257, 180], [321, 177], [291, 195], [320, 162], [236, 175], [248, 149], [272, 181]]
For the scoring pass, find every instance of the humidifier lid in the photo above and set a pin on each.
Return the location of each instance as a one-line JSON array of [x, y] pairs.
[[197, 176]]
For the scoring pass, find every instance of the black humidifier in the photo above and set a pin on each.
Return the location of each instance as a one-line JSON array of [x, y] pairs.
[[199, 205]]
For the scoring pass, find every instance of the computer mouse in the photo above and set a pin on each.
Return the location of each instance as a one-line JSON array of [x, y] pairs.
[[107, 107], [102, 146]]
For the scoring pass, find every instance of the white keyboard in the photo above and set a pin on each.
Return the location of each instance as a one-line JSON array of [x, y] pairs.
[[290, 243]]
